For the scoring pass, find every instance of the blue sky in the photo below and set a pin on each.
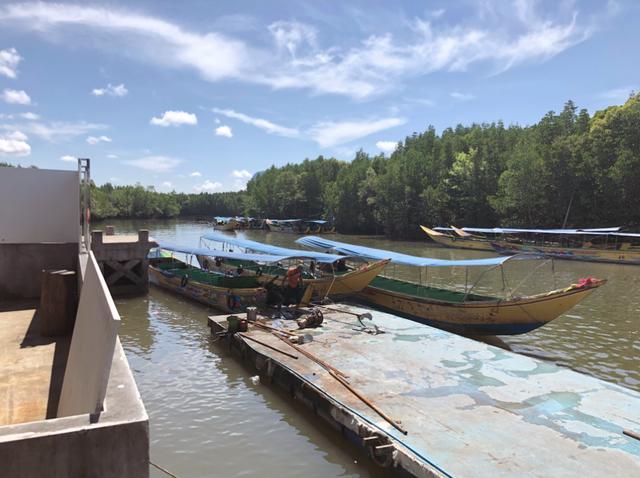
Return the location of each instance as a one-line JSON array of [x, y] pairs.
[[199, 95]]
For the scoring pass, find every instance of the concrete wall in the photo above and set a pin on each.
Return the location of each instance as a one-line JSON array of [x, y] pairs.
[[92, 345], [39, 205], [114, 444], [22, 264]]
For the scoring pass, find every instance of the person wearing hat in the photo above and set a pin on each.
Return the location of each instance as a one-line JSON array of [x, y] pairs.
[[292, 284]]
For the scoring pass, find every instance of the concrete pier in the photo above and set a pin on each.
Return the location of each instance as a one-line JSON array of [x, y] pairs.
[[469, 409], [123, 261]]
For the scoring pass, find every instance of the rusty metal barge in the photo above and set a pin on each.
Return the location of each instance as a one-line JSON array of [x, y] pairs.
[[428, 403]]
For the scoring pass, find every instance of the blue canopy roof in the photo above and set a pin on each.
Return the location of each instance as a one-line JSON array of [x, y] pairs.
[[371, 253], [203, 251], [269, 249]]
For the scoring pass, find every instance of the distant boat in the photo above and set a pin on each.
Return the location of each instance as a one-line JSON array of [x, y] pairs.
[[225, 223], [329, 277], [459, 240], [459, 311], [591, 245], [292, 226]]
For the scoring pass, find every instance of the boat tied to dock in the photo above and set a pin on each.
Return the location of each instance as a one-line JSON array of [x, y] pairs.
[[463, 312]]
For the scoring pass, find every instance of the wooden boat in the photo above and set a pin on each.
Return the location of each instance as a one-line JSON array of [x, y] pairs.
[[328, 277], [225, 223], [224, 292], [457, 311], [292, 226], [459, 240], [592, 245], [623, 253]]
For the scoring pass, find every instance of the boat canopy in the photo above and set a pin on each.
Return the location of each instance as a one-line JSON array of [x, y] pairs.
[[203, 251], [285, 221], [371, 253], [223, 218], [317, 221], [269, 249], [507, 230]]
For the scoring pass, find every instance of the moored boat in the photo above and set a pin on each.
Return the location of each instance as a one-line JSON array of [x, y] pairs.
[[591, 245], [226, 292], [460, 239], [460, 311], [292, 226], [325, 273], [225, 223]]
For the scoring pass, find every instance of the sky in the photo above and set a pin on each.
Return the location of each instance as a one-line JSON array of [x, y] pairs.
[[199, 95]]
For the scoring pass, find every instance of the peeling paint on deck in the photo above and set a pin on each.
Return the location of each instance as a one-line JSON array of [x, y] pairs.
[[471, 409]]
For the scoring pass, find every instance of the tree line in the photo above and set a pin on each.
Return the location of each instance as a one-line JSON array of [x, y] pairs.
[[569, 165], [477, 175]]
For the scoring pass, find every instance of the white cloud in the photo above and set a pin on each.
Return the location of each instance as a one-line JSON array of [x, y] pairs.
[[208, 186], [17, 97], [456, 95], [167, 184], [98, 139], [290, 35], [112, 156], [224, 130], [196, 174], [30, 116], [175, 118], [56, 130], [9, 60], [111, 90], [263, 124], [331, 133], [217, 120], [158, 164], [14, 144], [69, 158], [618, 95], [358, 69], [240, 178], [387, 146]]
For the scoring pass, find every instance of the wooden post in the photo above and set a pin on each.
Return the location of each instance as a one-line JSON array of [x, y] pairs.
[[58, 302]]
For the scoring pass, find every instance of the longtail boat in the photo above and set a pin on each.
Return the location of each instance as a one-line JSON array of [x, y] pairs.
[[591, 245], [227, 292], [460, 240], [459, 311], [293, 226], [225, 223], [324, 272]]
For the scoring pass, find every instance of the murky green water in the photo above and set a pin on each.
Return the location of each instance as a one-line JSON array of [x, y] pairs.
[[208, 419]]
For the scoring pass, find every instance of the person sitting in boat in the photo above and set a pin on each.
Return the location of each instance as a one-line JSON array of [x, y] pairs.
[[218, 262], [341, 265], [292, 285], [240, 269]]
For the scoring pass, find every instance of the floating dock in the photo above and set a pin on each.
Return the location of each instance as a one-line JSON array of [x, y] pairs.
[[468, 409]]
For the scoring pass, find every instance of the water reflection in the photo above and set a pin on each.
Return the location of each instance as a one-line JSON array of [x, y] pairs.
[[208, 419]]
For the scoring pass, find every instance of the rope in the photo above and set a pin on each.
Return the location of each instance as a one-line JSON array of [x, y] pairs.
[[162, 469]]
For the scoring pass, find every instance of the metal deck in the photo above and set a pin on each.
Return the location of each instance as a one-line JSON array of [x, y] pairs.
[[470, 409]]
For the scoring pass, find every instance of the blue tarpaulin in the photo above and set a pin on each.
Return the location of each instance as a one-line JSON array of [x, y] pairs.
[[397, 257], [269, 249], [203, 251]]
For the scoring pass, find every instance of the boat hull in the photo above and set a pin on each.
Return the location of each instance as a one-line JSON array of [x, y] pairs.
[[224, 299], [457, 242], [492, 317], [617, 256]]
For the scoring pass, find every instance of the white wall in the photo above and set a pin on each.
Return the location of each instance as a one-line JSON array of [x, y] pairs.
[[94, 339], [39, 205]]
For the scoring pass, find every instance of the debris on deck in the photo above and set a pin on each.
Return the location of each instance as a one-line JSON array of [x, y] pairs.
[[431, 403]]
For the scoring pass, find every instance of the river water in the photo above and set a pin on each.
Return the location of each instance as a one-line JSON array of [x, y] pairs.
[[207, 418]]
